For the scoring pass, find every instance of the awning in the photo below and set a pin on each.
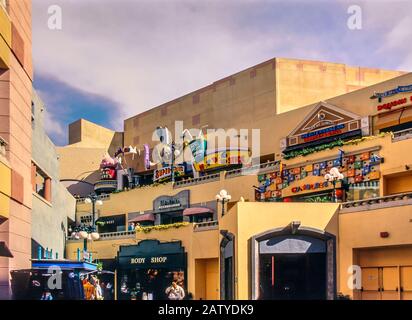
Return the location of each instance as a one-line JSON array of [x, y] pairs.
[[4, 251], [388, 119], [143, 217], [406, 115], [197, 210]]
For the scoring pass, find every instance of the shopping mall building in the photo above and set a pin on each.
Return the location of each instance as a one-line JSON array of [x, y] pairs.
[[286, 231]]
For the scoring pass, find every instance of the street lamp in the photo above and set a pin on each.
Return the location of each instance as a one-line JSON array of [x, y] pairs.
[[223, 197], [334, 176], [89, 233]]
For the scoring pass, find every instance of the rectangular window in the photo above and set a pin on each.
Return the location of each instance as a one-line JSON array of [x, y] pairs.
[[363, 190], [196, 120], [41, 183]]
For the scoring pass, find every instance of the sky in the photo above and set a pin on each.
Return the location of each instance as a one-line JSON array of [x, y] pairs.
[[114, 59]]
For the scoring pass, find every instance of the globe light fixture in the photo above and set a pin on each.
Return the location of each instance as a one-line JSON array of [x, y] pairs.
[[223, 197], [334, 176]]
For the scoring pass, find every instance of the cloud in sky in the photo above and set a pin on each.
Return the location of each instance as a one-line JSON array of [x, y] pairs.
[[135, 54]]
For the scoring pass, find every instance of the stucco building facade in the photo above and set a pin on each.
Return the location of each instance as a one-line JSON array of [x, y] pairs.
[[16, 76], [286, 232], [53, 205]]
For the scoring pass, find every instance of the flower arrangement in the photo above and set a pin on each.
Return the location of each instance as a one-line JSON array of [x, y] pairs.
[[161, 227]]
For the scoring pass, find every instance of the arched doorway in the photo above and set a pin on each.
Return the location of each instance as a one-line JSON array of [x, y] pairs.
[[293, 263]]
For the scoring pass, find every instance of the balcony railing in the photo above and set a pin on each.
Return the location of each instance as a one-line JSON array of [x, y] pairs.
[[204, 226], [400, 199], [110, 235], [256, 169], [402, 135], [200, 180], [102, 197]]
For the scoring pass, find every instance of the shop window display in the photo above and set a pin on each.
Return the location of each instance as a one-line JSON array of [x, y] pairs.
[[149, 284], [363, 190]]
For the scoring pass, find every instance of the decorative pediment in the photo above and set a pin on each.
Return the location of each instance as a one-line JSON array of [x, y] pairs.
[[322, 116], [325, 121]]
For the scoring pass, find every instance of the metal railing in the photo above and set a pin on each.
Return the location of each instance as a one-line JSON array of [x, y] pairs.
[[207, 225], [400, 199], [402, 135]]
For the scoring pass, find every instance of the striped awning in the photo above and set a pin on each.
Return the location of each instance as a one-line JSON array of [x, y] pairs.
[[197, 210], [143, 217], [4, 251]]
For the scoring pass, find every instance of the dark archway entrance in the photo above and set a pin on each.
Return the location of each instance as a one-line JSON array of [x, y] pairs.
[[293, 264]]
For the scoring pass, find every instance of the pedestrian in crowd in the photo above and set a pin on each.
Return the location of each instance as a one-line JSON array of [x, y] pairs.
[[131, 226], [46, 295], [98, 288], [175, 292], [109, 291], [89, 290]]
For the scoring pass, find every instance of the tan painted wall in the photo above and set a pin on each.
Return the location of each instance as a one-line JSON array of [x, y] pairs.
[[362, 230], [252, 98], [86, 134], [271, 216]]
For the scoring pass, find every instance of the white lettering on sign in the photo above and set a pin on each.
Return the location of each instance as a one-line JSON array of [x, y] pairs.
[[158, 259], [152, 260], [137, 260]]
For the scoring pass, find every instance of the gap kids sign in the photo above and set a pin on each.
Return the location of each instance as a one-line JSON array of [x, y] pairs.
[[319, 134]]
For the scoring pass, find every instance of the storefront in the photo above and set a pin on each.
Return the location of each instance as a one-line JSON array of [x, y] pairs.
[[146, 270], [169, 209], [293, 263], [394, 109]]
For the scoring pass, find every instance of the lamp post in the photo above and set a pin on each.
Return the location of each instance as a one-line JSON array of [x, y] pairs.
[[223, 197], [89, 233], [334, 176]]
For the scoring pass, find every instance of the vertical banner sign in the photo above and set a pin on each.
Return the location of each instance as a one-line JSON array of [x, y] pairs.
[[146, 157], [197, 147]]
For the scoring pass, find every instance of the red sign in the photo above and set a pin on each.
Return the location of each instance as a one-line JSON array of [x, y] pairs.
[[390, 105]]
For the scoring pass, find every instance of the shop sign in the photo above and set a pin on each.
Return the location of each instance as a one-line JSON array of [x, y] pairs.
[[395, 103], [324, 121], [172, 203], [145, 260], [312, 186], [165, 173], [392, 92], [319, 134], [158, 261], [222, 158]]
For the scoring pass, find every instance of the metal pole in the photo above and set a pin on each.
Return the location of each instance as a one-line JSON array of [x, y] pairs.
[[173, 162]]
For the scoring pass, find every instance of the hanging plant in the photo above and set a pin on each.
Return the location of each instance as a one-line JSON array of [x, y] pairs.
[[337, 143], [161, 227]]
